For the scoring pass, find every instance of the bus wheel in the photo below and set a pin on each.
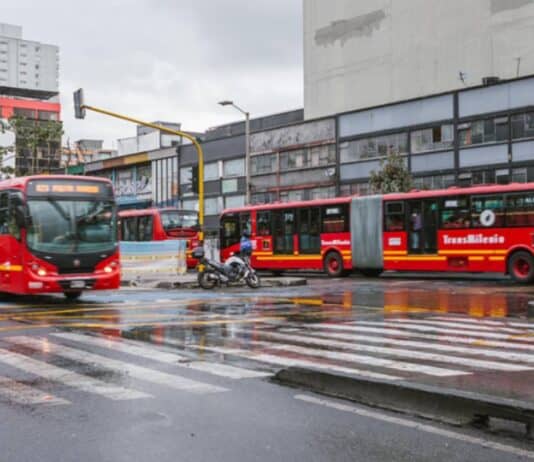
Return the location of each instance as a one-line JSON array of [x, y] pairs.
[[371, 272], [333, 265], [521, 267], [72, 296]]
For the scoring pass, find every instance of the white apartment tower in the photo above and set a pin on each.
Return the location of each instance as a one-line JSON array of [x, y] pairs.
[[27, 64]]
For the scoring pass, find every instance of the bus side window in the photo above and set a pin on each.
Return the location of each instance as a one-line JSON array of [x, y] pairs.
[[394, 216], [245, 223], [455, 213], [487, 211], [335, 218], [130, 229], [229, 231], [145, 228], [520, 209], [263, 224], [11, 218], [4, 213]]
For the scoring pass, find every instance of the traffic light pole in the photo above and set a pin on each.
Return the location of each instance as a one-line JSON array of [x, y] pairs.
[[172, 132]]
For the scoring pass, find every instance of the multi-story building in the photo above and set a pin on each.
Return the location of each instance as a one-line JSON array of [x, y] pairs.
[[366, 53], [26, 64], [29, 81]]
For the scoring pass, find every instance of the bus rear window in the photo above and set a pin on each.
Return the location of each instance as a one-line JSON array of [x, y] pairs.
[[179, 219]]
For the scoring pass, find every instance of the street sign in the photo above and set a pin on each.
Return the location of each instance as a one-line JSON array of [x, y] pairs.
[[79, 110]]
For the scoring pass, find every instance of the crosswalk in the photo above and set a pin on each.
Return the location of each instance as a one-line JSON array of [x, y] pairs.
[[40, 368]]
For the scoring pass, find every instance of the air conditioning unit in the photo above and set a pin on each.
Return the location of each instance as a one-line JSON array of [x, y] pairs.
[[492, 80]]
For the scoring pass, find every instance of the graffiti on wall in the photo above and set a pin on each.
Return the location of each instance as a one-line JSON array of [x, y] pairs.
[[134, 182]]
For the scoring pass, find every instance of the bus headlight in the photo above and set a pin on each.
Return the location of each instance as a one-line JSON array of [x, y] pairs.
[[41, 272], [108, 269]]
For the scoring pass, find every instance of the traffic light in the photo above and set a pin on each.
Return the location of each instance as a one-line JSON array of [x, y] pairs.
[[79, 110], [194, 178]]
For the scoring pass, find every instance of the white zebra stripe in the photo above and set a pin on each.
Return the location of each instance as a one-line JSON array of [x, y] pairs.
[[487, 322], [385, 332], [409, 325], [481, 364], [461, 325], [289, 362], [69, 378], [369, 360], [23, 394], [153, 353], [138, 372]]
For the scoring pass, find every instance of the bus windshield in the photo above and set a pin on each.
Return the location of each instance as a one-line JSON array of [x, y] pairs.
[[71, 226], [172, 219]]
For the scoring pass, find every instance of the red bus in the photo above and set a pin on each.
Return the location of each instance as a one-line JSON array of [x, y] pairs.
[[161, 224], [58, 234], [477, 229]]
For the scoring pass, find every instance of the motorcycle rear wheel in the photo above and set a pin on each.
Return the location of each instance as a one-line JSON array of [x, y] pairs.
[[253, 281], [205, 281]]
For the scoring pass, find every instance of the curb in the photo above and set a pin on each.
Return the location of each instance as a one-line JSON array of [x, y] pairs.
[[436, 403], [193, 284]]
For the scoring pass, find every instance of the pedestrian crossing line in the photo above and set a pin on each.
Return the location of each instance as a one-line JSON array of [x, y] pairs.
[[407, 324], [69, 378], [21, 393], [461, 325], [328, 328], [475, 350], [368, 360], [487, 322], [411, 354], [282, 361], [153, 353], [466, 326], [138, 372]]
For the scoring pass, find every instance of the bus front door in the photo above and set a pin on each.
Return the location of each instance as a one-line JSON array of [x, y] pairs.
[[284, 229]]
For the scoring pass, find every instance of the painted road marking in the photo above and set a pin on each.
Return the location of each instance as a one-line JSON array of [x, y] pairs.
[[386, 331], [475, 350], [487, 322], [408, 324], [416, 425], [287, 362], [23, 394], [153, 353], [69, 378], [138, 372], [460, 325], [481, 364], [368, 360]]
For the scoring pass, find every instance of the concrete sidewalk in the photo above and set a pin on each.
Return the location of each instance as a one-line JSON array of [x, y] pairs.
[[189, 281]]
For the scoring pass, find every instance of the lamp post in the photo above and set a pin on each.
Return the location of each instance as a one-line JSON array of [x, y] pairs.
[[247, 146]]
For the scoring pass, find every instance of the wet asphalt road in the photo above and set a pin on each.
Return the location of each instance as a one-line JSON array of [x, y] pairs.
[[185, 375]]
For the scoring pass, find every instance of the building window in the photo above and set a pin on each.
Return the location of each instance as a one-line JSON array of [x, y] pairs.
[[483, 131], [229, 186], [26, 113], [308, 157], [371, 148], [519, 175], [432, 139], [361, 189], [523, 126], [211, 171], [234, 167], [263, 198], [263, 164], [233, 202], [212, 206], [434, 182]]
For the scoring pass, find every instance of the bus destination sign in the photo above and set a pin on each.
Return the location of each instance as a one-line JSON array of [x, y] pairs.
[[68, 188]]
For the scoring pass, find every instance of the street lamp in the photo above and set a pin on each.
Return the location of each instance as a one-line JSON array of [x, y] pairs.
[[247, 146]]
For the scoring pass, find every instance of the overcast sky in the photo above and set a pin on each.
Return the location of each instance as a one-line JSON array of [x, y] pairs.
[[169, 60]]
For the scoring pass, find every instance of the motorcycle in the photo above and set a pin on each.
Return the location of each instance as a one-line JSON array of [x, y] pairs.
[[234, 270]]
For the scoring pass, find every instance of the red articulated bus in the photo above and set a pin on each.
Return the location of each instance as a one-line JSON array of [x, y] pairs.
[[159, 225], [58, 234], [477, 229]]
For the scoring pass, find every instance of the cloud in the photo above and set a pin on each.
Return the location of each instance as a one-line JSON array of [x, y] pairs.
[[169, 59]]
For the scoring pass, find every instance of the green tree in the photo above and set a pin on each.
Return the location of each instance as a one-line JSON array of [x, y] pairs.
[[393, 175]]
